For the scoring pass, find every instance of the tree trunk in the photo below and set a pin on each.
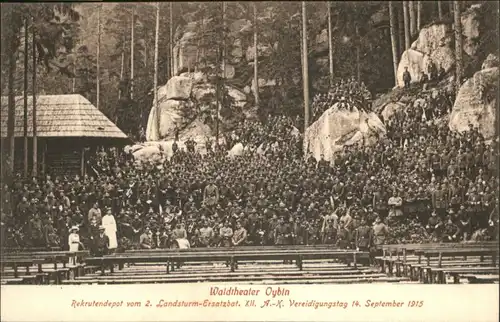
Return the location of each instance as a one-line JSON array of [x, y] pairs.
[[132, 45], [156, 69], [256, 59], [73, 81], [25, 96], [395, 57], [330, 42], [171, 39], [401, 28], [11, 121], [223, 41], [440, 9], [122, 67], [98, 53], [458, 45], [35, 133], [419, 15], [407, 25], [358, 55], [413, 18], [217, 100], [305, 69]]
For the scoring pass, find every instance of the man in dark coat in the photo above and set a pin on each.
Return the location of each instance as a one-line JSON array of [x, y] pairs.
[[100, 243]]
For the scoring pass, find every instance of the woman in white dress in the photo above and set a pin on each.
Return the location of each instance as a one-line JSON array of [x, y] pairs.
[[74, 242], [109, 224]]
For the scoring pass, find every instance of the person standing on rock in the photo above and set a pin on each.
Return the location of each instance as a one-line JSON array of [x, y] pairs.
[[406, 78], [432, 70]]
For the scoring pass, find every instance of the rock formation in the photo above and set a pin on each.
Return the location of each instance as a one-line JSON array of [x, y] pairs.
[[435, 42], [476, 102], [182, 106], [336, 128]]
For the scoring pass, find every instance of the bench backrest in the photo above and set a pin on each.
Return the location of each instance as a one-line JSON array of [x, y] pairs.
[[459, 252], [224, 249], [240, 254], [418, 247]]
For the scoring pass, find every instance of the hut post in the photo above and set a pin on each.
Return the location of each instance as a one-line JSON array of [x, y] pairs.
[[35, 133], [82, 162], [44, 154]]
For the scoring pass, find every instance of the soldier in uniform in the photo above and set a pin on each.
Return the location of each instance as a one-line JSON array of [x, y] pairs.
[[206, 234], [435, 226], [450, 230], [211, 195], [179, 232], [282, 233], [239, 235], [406, 78], [440, 201], [329, 233], [380, 232], [363, 236], [226, 233], [343, 236], [271, 226]]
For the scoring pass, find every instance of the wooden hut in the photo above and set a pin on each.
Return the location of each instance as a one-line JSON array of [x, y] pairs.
[[67, 126]]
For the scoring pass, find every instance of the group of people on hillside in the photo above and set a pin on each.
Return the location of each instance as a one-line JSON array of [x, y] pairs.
[[431, 74], [420, 183], [348, 94]]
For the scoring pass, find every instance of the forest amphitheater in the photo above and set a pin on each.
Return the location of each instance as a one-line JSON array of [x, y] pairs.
[[450, 263]]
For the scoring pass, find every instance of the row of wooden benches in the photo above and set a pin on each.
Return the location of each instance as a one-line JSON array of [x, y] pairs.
[[230, 256], [476, 261], [84, 263], [399, 260]]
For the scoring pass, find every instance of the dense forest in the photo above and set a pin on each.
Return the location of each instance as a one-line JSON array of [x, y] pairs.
[[106, 52]]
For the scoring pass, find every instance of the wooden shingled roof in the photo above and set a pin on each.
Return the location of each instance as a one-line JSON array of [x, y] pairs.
[[69, 115]]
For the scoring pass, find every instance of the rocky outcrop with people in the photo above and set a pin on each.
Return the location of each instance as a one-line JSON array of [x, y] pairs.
[[476, 102], [435, 43], [338, 127]]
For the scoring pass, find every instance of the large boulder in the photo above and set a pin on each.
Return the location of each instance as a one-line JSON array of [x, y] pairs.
[[469, 108], [490, 61], [264, 51], [432, 37], [236, 150], [336, 128], [183, 104], [444, 56], [174, 114], [177, 88], [263, 83], [151, 153]]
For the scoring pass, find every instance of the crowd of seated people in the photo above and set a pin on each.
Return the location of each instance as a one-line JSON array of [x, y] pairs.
[[347, 93], [420, 183]]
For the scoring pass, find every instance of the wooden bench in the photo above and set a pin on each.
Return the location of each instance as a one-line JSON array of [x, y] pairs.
[[387, 261], [478, 279], [196, 279], [38, 259], [465, 252], [439, 274], [23, 279], [230, 257]]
